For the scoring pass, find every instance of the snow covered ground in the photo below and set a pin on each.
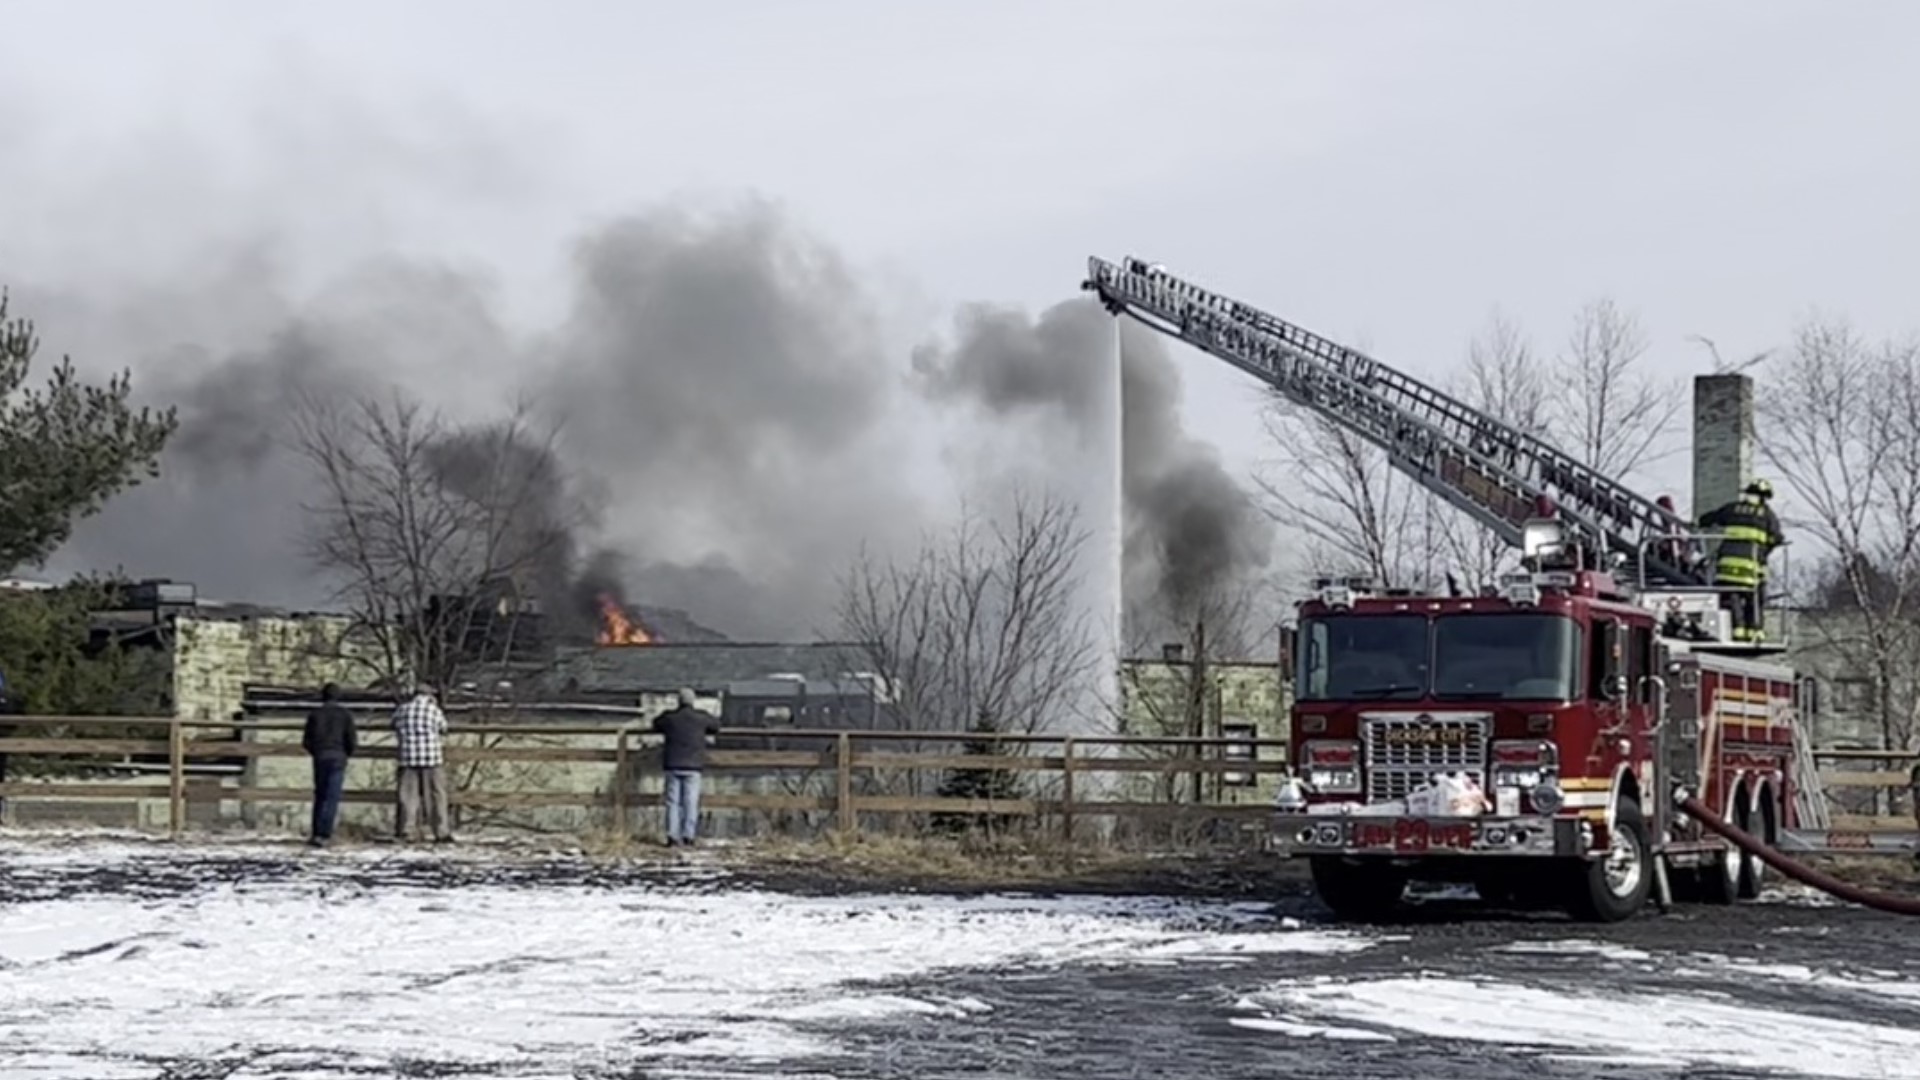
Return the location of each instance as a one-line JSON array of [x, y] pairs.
[[322, 975], [142, 961]]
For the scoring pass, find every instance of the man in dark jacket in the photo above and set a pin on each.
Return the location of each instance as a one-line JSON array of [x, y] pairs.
[[1749, 533], [329, 739], [682, 756]]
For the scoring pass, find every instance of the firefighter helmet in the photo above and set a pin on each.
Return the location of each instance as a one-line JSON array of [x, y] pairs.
[[1760, 489]]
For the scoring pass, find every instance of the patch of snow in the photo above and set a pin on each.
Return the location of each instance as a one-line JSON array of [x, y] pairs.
[[1665, 1029], [533, 979], [1433, 892], [1576, 947], [1307, 1031], [1794, 894], [1883, 986]]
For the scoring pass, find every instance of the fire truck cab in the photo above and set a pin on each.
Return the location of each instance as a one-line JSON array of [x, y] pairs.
[[1526, 741]]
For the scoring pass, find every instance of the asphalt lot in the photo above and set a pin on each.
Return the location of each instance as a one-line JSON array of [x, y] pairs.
[[1767, 989]]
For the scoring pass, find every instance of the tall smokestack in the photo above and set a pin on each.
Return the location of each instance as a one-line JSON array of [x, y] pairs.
[[1723, 439]]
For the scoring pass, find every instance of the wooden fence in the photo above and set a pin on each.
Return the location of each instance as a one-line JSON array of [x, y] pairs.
[[1869, 790], [1062, 779], [843, 779]]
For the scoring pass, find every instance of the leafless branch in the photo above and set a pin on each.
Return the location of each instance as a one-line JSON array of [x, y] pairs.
[[1502, 378], [982, 623], [1841, 427], [431, 530], [1613, 414], [1337, 491]]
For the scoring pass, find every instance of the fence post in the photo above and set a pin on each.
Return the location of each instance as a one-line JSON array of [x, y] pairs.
[[1066, 798], [843, 799], [622, 827], [176, 778]]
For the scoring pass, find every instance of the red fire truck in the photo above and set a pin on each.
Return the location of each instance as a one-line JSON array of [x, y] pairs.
[[1527, 737]]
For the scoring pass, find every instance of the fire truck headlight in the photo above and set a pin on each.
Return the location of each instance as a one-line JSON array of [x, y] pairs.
[[1332, 767], [1546, 798]]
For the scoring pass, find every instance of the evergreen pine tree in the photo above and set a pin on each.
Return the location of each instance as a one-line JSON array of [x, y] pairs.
[[973, 782]]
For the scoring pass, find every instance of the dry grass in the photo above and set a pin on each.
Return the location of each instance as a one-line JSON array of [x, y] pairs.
[[1890, 873], [966, 863]]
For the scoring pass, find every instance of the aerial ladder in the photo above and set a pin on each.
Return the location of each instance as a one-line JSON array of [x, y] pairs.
[[1496, 473]]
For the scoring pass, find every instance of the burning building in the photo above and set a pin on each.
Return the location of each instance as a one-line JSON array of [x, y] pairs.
[[617, 627]]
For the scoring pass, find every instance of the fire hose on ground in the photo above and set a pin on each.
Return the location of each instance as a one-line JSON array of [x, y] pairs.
[[1806, 875]]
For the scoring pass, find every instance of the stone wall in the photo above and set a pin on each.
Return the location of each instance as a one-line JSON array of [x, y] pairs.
[[1831, 647], [214, 659], [1239, 695]]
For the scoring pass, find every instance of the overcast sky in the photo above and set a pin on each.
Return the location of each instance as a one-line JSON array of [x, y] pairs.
[[1389, 173]]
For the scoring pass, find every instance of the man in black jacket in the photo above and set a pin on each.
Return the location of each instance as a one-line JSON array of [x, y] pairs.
[[329, 739], [682, 756]]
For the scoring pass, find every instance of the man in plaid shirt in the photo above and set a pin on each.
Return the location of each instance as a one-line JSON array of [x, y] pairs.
[[419, 736]]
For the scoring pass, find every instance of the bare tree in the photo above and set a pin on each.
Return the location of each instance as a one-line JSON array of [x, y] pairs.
[[1356, 513], [982, 624], [437, 535], [1502, 378], [1614, 415], [1842, 429]]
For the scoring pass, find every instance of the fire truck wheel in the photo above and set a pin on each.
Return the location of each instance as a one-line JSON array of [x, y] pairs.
[[1357, 891], [1723, 879], [1616, 885]]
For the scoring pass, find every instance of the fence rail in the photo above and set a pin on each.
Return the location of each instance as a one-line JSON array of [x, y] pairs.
[[847, 776], [1057, 771]]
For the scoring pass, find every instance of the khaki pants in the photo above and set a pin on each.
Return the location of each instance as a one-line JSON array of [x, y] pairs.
[[422, 789]]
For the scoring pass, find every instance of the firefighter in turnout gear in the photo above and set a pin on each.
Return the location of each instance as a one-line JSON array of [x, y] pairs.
[[1750, 531]]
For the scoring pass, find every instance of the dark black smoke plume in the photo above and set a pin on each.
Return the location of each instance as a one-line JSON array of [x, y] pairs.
[[721, 391], [1192, 533], [727, 377], [730, 426]]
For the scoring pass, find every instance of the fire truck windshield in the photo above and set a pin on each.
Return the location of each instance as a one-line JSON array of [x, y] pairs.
[[1532, 656], [1484, 656]]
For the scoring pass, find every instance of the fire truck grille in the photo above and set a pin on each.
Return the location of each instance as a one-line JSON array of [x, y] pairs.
[[1402, 753]]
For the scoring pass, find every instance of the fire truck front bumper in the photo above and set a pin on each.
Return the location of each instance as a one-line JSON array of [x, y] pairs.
[[1295, 834]]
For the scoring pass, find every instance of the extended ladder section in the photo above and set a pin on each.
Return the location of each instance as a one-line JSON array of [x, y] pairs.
[[1488, 469]]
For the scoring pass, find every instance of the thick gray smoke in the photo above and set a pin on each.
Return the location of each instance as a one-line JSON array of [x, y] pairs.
[[728, 379], [727, 410], [719, 384], [227, 512], [1192, 533]]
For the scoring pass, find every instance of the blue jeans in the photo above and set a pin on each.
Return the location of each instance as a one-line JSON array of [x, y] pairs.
[[683, 804], [329, 775]]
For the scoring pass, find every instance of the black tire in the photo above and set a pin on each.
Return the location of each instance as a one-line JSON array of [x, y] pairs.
[[1357, 891], [1720, 878], [1615, 886]]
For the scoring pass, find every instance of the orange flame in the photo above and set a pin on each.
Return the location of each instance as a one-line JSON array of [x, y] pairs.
[[617, 628]]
